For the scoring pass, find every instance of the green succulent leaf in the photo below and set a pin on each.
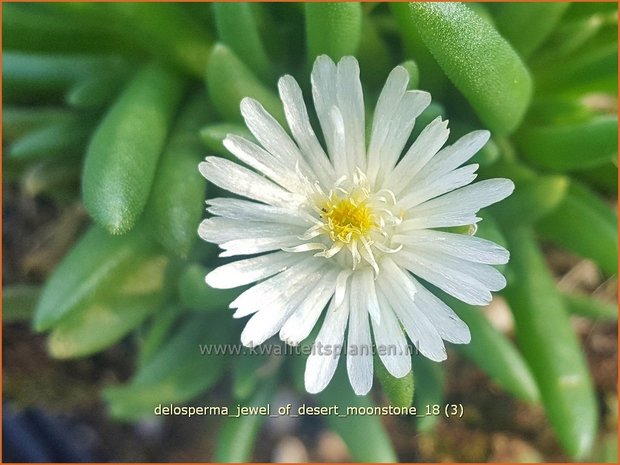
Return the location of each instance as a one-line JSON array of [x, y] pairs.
[[123, 153], [584, 224], [550, 346], [32, 79], [176, 373], [213, 136], [113, 311], [480, 63], [229, 80], [196, 294], [400, 391], [167, 31], [176, 200], [538, 19], [94, 263], [61, 140], [590, 307], [495, 354], [430, 386], [237, 28], [570, 147], [333, 29], [18, 121]]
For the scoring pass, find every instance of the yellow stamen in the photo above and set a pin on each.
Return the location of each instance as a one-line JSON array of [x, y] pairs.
[[347, 219]]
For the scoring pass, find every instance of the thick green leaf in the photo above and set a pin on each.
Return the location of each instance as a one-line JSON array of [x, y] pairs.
[[62, 140], [104, 321], [527, 25], [93, 263], [168, 31], [593, 68], [176, 201], [19, 302], [176, 373], [114, 309], [487, 155], [237, 28], [399, 390], [237, 436], [431, 78], [495, 354], [34, 28], [550, 346], [196, 294], [569, 147], [603, 178], [429, 391], [480, 63], [571, 34], [590, 307], [414, 73], [96, 91], [229, 81], [20, 120], [372, 446], [213, 136], [432, 111], [535, 195], [156, 334], [584, 224], [123, 153], [333, 29], [28, 78], [374, 55], [532, 200]]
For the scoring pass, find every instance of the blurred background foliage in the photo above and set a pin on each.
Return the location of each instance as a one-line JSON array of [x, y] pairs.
[[107, 110]]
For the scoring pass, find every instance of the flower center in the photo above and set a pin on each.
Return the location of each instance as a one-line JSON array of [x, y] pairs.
[[347, 218], [349, 223]]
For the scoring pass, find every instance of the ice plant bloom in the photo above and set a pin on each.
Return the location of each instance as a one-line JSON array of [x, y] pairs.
[[351, 228]]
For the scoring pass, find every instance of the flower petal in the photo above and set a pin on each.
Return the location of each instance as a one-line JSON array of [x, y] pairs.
[[239, 180], [268, 321], [449, 326], [391, 94], [246, 271], [471, 248], [219, 230], [262, 161], [424, 148], [275, 291], [458, 207], [359, 343], [301, 322], [271, 135], [428, 188], [244, 210], [453, 156], [258, 245], [391, 343], [455, 282], [411, 105], [323, 79], [351, 105], [299, 123], [323, 360], [421, 331]]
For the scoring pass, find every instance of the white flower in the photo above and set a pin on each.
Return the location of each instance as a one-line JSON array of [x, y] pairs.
[[351, 228]]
